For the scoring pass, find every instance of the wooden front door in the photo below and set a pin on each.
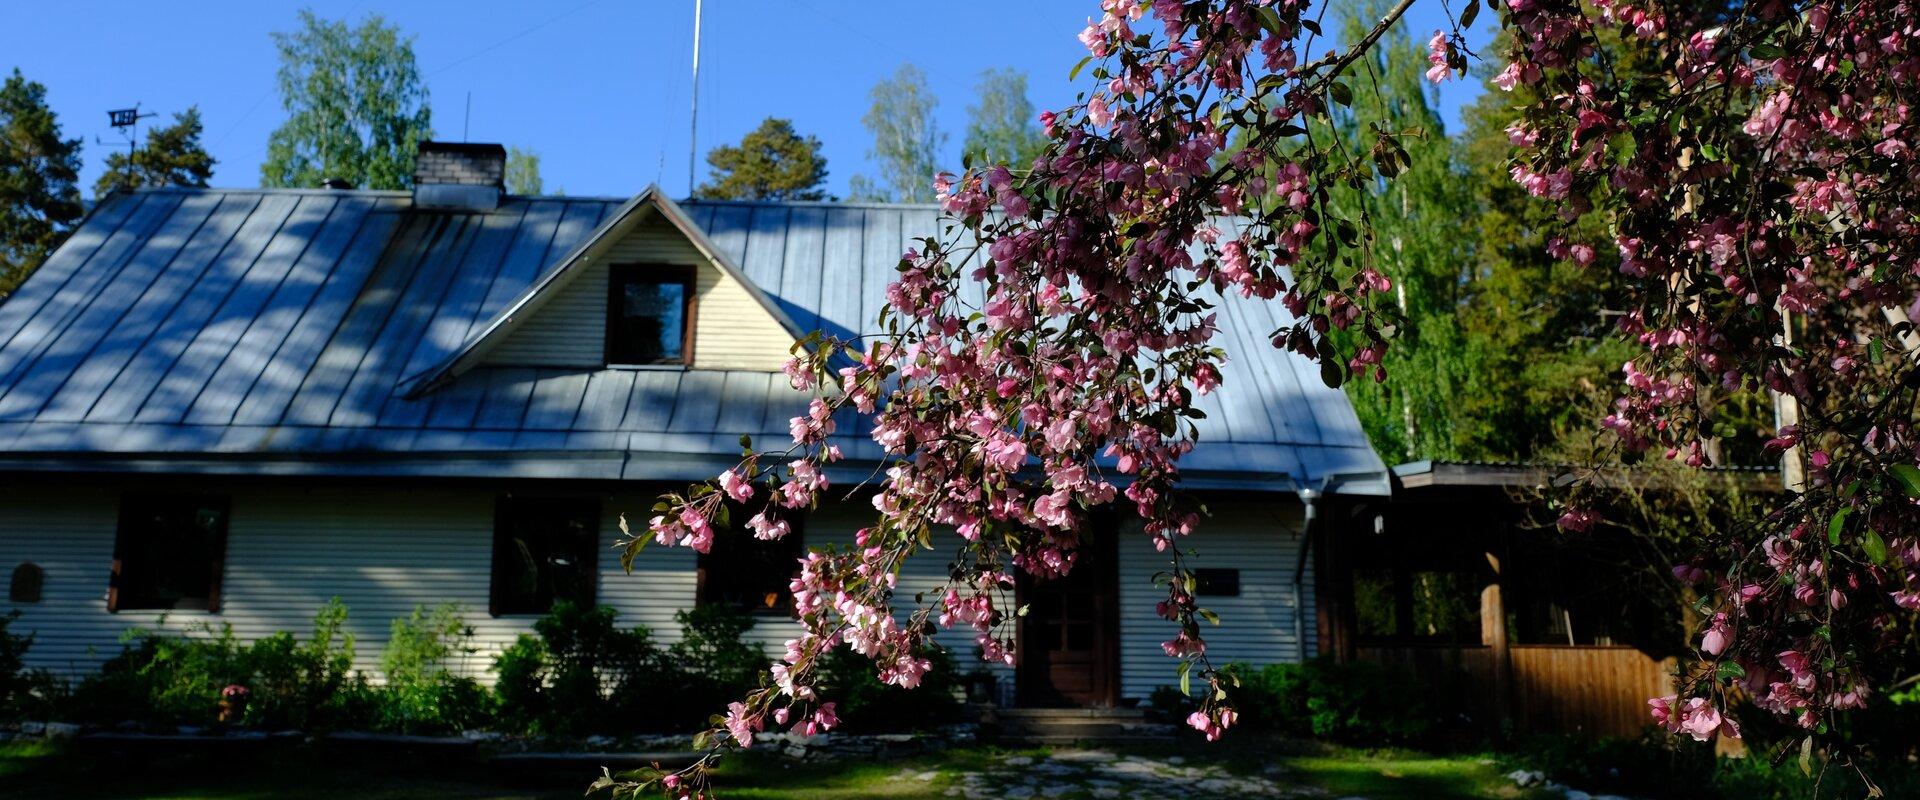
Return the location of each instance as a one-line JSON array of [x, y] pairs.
[[1069, 639]]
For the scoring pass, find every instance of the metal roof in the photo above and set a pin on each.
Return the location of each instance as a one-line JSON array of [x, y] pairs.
[[273, 331]]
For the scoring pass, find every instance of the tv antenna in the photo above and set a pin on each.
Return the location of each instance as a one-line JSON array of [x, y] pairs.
[[126, 122]]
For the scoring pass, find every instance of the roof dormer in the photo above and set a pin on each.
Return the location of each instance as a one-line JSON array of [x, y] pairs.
[[645, 291]]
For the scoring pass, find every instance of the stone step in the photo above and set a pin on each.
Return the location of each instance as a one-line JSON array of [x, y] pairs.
[[1071, 713], [1065, 740]]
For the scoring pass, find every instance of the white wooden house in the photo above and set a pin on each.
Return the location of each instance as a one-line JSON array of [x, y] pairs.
[[229, 406]]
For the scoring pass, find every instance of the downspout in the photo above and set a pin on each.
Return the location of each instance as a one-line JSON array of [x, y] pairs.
[[1310, 498]]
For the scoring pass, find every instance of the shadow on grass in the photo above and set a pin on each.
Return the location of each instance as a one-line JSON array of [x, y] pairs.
[[39, 770]]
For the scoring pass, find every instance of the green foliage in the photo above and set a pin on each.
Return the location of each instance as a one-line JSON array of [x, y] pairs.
[[719, 662], [1360, 703], [356, 106], [170, 156], [1001, 127], [906, 140], [13, 673], [297, 684], [771, 162], [162, 679], [582, 674], [424, 694], [1659, 765], [866, 704], [39, 174], [523, 172]]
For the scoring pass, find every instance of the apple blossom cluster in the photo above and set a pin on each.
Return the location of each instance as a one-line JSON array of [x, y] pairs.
[[1762, 191], [1037, 364]]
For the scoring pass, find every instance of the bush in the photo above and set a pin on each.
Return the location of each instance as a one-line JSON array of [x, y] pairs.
[[868, 705], [1360, 703], [1659, 765], [583, 675], [303, 684], [720, 665], [164, 680], [16, 682], [423, 693]]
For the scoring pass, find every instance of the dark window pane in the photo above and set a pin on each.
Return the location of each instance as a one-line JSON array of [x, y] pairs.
[[648, 315], [1374, 606], [749, 574], [1446, 605], [168, 551], [1215, 582], [543, 550]]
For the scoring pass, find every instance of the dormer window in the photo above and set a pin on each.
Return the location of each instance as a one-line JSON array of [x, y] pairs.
[[650, 314]]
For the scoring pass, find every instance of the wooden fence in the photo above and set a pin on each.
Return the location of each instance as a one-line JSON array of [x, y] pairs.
[[1600, 691]]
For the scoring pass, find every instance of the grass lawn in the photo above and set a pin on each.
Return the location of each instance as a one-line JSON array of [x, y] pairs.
[[38, 770]]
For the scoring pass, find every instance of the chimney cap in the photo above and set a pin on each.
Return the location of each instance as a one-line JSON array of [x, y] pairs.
[[463, 148], [337, 183], [459, 176]]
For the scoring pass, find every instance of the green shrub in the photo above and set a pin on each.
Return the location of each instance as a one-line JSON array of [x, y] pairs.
[[423, 692], [1359, 702], [164, 679], [15, 680], [868, 705], [584, 675], [183, 679], [1660, 765], [297, 684], [720, 664]]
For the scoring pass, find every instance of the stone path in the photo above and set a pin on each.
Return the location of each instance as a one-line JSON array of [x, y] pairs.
[[1100, 775]]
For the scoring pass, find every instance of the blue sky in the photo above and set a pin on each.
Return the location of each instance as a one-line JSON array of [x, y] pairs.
[[599, 89]]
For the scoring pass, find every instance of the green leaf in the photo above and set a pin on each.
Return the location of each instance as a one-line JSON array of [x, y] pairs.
[[1835, 525], [1468, 14], [1186, 682], [1270, 20], [1876, 547], [1909, 477], [1332, 374], [1075, 72], [1341, 93], [1730, 671]]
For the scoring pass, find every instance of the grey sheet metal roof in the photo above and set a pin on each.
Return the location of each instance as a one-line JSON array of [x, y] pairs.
[[273, 331]]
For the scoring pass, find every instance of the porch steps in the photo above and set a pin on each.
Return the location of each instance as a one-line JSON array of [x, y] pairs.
[[1066, 726]]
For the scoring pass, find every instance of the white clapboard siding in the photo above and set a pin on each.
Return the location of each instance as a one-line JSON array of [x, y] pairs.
[[731, 329], [385, 551], [1259, 536]]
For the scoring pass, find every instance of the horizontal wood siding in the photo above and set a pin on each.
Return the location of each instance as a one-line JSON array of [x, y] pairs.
[[1259, 537], [385, 551], [1600, 691], [731, 329], [1593, 690], [569, 331]]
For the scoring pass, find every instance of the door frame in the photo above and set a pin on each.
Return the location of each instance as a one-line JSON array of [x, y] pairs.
[[1101, 552]]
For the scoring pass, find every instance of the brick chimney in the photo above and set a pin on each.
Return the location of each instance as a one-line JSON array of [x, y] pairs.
[[459, 176]]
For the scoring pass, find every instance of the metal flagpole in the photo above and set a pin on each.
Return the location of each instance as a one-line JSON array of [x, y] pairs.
[[693, 118]]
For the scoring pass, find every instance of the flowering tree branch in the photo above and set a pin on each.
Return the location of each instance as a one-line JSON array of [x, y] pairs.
[[1040, 356]]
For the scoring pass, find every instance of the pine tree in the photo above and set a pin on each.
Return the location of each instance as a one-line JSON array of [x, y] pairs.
[[1001, 128], [356, 106], [170, 156], [39, 175], [770, 163]]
